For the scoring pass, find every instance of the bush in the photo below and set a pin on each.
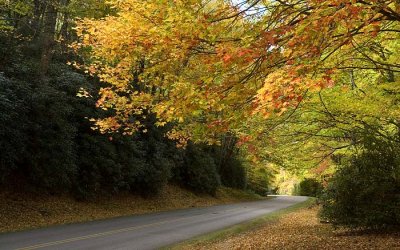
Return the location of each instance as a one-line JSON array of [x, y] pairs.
[[98, 170], [37, 146], [52, 156], [366, 192], [233, 173], [139, 164], [199, 171], [309, 187], [158, 164], [13, 124]]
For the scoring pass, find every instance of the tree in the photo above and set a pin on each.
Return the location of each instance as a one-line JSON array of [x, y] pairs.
[[206, 66], [45, 27]]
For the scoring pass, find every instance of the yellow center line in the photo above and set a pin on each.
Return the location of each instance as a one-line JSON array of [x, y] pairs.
[[90, 236]]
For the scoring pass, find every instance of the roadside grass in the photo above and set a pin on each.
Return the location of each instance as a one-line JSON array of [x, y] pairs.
[[252, 225], [22, 211]]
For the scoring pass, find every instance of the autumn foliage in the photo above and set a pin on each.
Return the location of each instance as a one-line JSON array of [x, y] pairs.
[[197, 92], [207, 65]]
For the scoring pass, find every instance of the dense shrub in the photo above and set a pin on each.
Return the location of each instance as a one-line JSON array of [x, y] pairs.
[[13, 125], [233, 173], [48, 143], [309, 187], [98, 170], [199, 171], [158, 164], [37, 142], [366, 191], [51, 140], [229, 164]]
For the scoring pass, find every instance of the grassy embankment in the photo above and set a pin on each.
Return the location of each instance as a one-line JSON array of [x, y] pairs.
[[297, 227], [26, 211]]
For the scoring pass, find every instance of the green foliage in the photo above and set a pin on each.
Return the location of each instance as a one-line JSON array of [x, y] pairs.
[[51, 139], [98, 170], [366, 191], [309, 187], [233, 173], [158, 156], [13, 124], [38, 135], [199, 171]]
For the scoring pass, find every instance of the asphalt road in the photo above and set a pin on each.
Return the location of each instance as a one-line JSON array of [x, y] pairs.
[[150, 231]]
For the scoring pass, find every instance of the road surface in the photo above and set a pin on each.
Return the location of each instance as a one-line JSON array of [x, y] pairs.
[[150, 231]]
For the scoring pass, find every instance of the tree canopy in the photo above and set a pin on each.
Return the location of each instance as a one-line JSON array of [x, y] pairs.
[[215, 66]]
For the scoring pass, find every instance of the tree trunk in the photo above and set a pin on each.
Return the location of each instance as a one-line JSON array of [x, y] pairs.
[[47, 41], [63, 34], [38, 10]]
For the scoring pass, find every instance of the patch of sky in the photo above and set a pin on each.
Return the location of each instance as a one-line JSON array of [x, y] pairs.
[[253, 9]]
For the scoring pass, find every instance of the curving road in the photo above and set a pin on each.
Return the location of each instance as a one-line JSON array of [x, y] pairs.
[[150, 231]]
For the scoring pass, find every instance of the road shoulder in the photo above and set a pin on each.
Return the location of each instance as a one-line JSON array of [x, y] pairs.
[[248, 226]]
